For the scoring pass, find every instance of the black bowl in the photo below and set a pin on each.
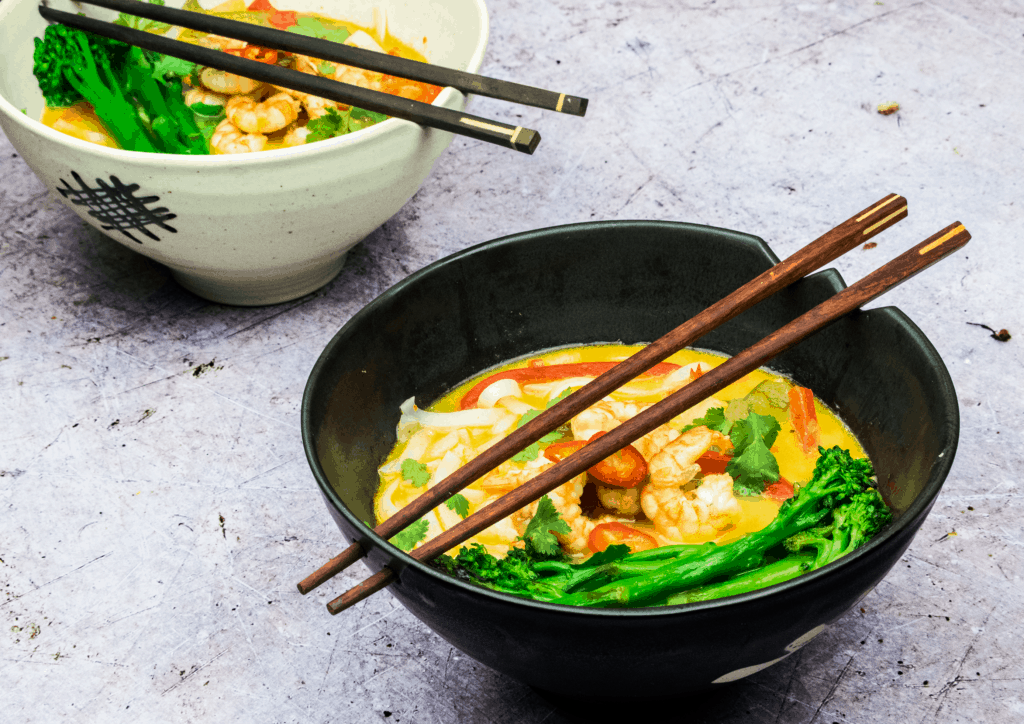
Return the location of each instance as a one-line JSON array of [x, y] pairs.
[[622, 282]]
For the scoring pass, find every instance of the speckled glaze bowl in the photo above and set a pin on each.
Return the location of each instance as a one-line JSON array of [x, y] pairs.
[[629, 282], [248, 229]]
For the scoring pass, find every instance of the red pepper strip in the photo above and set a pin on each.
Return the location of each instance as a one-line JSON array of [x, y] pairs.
[[623, 469], [259, 5], [713, 463], [549, 373], [780, 490], [804, 418], [607, 534]]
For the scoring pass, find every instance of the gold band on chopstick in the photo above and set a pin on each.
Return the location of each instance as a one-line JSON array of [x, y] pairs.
[[515, 135], [870, 211], [487, 126], [890, 217], [942, 240], [561, 100]]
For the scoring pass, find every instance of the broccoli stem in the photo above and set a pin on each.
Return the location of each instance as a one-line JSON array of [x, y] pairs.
[[789, 567], [95, 81]]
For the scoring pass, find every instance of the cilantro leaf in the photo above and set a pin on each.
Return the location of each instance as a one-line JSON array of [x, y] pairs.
[[168, 65], [361, 118], [415, 472], [713, 419], [526, 417], [531, 451], [144, 24], [314, 28], [561, 396], [753, 462], [413, 534], [325, 68], [752, 437], [329, 125], [459, 504], [540, 533], [528, 453]]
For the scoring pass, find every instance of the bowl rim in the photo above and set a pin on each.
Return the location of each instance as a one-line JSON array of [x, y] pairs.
[[916, 510], [384, 130]]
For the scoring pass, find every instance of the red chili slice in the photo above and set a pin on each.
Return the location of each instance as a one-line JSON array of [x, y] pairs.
[[713, 463], [607, 534], [259, 5], [623, 469], [780, 490], [549, 373]]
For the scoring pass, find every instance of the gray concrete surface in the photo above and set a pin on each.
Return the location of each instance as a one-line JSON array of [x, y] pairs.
[[157, 509]]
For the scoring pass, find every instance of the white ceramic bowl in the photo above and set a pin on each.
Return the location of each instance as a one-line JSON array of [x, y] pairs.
[[256, 228]]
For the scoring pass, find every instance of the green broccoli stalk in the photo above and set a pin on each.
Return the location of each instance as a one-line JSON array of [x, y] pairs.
[[767, 575], [126, 86], [72, 65], [838, 511], [841, 487], [158, 89]]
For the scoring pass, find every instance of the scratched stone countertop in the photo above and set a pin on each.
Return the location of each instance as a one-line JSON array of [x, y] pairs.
[[157, 508]]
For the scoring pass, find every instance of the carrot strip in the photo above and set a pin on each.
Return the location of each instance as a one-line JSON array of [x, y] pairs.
[[804, 418]]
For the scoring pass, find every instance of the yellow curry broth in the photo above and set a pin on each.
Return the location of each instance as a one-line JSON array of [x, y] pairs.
[[756, 512]]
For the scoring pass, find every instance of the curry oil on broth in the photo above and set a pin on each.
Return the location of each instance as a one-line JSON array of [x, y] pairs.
[[80, 120], [794, 465]]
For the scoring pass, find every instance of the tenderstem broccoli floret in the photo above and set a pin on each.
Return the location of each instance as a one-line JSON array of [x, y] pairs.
[[142, 110]]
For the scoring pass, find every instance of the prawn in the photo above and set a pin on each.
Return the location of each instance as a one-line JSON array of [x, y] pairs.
[[228, 84], [603, 416], [228, 138], [267, 116], [677, 512], [204, 96], [566, 499], [296, 136]]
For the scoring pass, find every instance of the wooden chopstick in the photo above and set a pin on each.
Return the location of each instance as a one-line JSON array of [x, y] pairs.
[[859, 228], [917, 259], [358, 57], [483, 129]]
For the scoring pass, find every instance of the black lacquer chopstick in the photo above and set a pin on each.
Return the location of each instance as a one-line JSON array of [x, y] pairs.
[[483, 129], [358, 57]]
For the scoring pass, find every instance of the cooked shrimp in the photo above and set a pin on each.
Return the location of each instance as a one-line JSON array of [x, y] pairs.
[[652, 443], [229, 84], [204, 96], [676, 463], [296, 136], [677, 512], [337, 71], [228, 138], [706, 511], [267, 116], [603, 416]]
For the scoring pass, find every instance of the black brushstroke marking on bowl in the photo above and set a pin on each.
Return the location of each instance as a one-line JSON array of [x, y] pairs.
[[115, 206], [628, 282]]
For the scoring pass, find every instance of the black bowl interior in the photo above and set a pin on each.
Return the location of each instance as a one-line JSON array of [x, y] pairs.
[[625, 282]]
